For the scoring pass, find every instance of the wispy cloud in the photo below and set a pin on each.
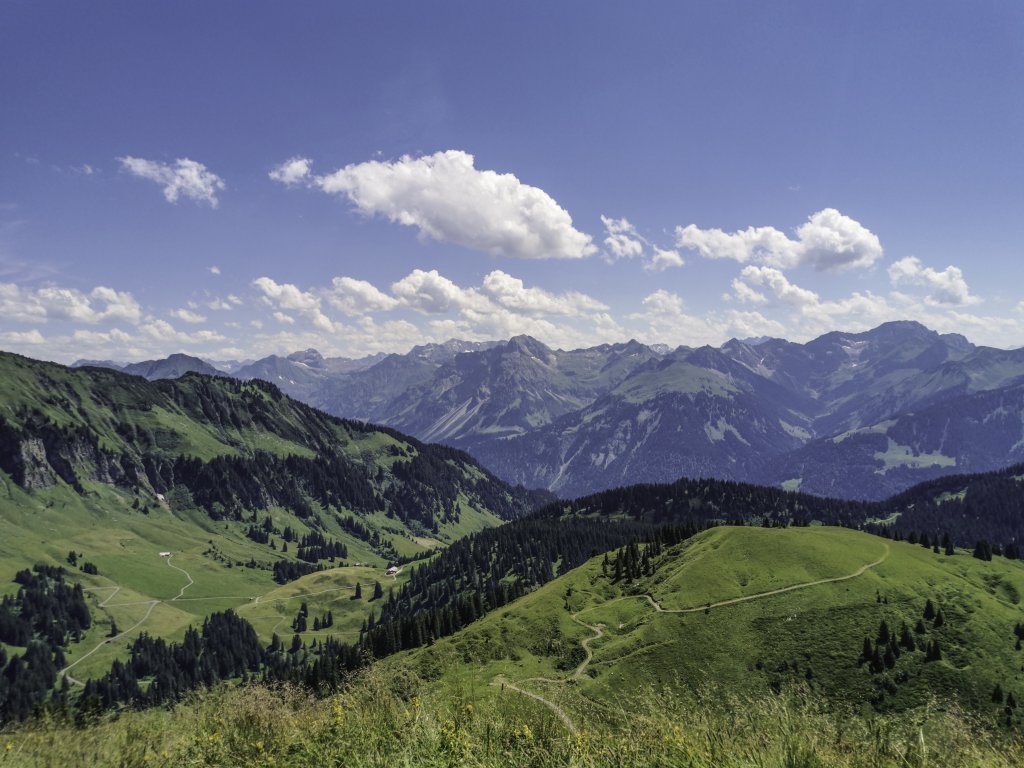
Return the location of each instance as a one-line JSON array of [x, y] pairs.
[[185, 178]]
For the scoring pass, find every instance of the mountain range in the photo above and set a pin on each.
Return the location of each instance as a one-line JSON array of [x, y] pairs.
[[853, 415]]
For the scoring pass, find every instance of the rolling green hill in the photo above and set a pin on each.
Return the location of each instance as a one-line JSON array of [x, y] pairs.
[[742, 612], [737, 647]]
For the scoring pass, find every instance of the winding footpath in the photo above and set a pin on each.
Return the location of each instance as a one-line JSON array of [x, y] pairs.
[[598, 630], [151, 604], [106, 641], [559, 712], [859, 572], [106, 604], [187, 576]]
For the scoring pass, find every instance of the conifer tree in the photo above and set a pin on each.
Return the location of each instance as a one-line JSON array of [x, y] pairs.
[[883, 633], [866, 653], [906, 639], [889, 658], [877, 663]]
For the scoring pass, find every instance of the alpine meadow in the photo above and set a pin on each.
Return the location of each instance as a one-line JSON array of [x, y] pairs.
[[553, 385]]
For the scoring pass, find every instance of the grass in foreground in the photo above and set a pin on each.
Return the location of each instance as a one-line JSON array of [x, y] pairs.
[[386, 722]]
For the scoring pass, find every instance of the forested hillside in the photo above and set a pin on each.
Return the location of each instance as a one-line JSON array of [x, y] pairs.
[[234, 447]]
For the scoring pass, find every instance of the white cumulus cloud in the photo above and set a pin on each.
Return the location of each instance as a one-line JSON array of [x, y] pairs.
[[163, 332], [622, 241], [185, 178], [665, 320], [510, 293], [292, 172], [285, 296], [947, 287], [828, 240], [776, 283], [188, 316], [664, 258], [356, 297], [28, 338], [448, 199], [56, 303], [432, 293]]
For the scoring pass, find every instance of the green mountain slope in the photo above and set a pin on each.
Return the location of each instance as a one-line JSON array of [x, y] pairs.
[[744, 611]]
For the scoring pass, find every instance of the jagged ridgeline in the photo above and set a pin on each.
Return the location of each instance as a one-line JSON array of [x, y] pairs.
[[228, 448]]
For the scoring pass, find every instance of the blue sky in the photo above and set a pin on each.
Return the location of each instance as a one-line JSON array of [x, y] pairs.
[[236, 179]]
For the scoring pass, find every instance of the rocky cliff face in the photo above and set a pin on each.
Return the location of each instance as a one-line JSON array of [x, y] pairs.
[[35, 458], [31, 469]]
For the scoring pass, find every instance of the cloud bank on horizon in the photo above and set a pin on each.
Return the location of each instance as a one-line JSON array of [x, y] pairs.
[[447, 199]]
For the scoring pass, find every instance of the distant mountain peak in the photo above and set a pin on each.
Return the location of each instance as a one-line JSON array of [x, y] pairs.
[[310, 357], [528, 345], [83, 362], [171, 367]]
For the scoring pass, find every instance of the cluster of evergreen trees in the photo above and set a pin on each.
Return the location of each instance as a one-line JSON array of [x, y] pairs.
[[288, 570], [225, 647], [43, 617], [887, 648], [881, 654], [634, 561], [968, 508], [45, 607], [301, 621], [314, 547], [712, 501], [983, 548]]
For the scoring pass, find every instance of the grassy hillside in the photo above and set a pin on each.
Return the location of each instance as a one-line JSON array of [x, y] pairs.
[[587, 671], [789, 611]]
